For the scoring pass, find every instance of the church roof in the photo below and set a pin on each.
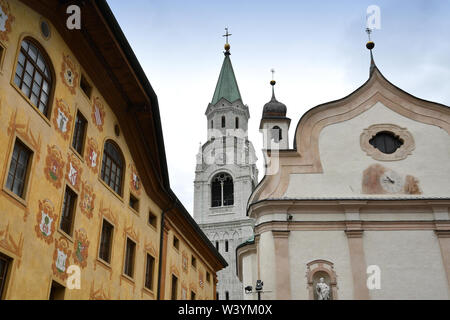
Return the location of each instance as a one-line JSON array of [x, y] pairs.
[[227, 86], [274, 108]]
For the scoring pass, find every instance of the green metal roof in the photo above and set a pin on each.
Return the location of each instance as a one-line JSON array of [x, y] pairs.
[[226, 85]]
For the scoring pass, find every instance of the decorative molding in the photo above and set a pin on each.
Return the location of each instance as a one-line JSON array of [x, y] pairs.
[[8, 243], [402, 133], [99, 294], [24, 131]]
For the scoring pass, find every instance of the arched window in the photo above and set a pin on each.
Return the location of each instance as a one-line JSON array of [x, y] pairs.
[[386, 142], [237, 123], [222, 193], [112, 167], [34, 75], [223, 121], [277, 134]]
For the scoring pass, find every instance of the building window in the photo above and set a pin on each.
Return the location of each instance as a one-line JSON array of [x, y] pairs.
[[194, 262], [5, 263], [68, 210], [18, 169], [112, 167], [149, 272], [174, 295], [208, 276], [57, 291], [223, 121], [79, 133], [106, 241], [176, 243], [134, 202], [129, 258], [226, 245], [222, 193], [237, 123], [277, 134], [227, 295], [152, 219], [192, 295], [217, 245], [386, 142], [85, 86], [33, 75]]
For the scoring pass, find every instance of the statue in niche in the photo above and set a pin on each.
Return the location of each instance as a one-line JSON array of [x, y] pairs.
[[322, 290]]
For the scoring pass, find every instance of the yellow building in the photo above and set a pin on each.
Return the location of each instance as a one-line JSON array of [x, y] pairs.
[[85, 196]]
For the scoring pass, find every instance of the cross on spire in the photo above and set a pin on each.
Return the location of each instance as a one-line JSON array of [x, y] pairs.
[[226, 35], [368, 31], [273, 72]]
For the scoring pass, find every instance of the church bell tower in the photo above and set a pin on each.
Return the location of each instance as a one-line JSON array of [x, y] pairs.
[[225, 176]]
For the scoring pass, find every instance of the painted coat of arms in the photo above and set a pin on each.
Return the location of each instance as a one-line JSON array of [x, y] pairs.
[[201, 282], [62, 118], [184, 261], [98, 113], [46, 219], [92, 155], [61, 257], [81, 246], [54, 166], [73, 171], [87, 200], [135, 182], [6, 20], [69, 75]]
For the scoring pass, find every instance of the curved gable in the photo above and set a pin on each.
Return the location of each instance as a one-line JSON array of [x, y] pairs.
[[377, 92]]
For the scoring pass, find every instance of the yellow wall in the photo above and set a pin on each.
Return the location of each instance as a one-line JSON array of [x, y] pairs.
[[33, 255], [189, 278]]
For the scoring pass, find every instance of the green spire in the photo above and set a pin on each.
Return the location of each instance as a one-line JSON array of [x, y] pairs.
[[226, 87]]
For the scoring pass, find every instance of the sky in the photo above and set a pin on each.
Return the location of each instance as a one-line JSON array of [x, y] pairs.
[[317, 49]]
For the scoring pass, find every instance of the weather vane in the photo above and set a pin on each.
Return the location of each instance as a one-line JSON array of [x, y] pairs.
[[369, 31]]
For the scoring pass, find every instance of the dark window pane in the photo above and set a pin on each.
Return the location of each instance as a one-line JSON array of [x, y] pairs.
[[105, 242], [386, 142], [129, 258], [18, 168], [35, 76], [79, 133], [68, 209], [149, 272], [4, 267], [112, 167]]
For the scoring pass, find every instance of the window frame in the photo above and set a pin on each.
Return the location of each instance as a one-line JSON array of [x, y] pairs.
[[123, 168], [152, 277], [132, 258], [153, 216], [84, 136], [4, 279], [213, 195], [46, 116], [73, 211], [172, 291], [111, 240], [27, 176]]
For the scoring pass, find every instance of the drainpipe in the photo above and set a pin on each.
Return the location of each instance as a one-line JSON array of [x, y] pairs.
[[163, 215]]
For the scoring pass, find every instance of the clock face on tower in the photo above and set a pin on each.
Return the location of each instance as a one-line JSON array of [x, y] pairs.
[[392, 182]]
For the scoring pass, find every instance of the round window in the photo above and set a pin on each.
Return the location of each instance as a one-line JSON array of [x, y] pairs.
[[386, 142]]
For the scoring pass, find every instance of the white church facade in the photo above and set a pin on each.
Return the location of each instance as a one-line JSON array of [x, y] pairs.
[[359, 207], [225, 177]]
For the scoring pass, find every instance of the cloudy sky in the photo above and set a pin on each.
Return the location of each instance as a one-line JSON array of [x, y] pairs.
[[316, 47]]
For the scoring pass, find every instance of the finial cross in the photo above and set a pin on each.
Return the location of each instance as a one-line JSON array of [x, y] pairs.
[[226, 35], [273, 72], [369, 31]]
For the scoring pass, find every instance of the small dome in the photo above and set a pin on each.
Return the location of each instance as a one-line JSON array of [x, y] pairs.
[[274, 108]]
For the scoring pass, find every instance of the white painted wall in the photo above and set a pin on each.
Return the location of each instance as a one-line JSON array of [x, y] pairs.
[[343, 160], [411, 264], [306, 246]]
